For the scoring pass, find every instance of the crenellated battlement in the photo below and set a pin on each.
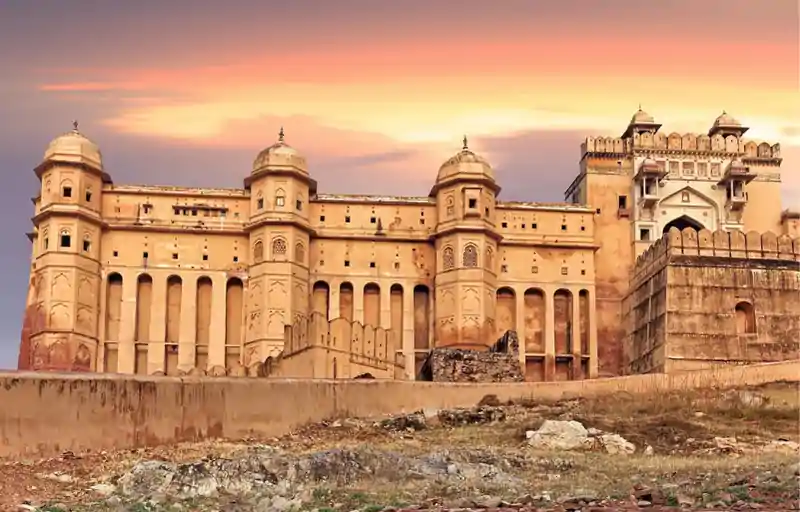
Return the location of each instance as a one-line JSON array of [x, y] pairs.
[[717, 244], [685, 143], [337, 348]]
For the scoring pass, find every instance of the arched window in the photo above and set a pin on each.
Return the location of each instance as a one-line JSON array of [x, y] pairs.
[[87, 242], [448, 258], [280, 198], [259, 201], [65, 239], [299, 253], [258, 251], [489, 258], [45, 239], [299, 203], [278, 247], [66, 188], [470, 257], [745, 318]]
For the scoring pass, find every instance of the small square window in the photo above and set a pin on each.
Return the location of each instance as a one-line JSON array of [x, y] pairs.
[[583, 228], [347, 219], [116, 253], [563, 227], [533, 226], [644, 234], [236, 259], [174, 255], [205, 257], [421, 222], [321, 263], [88, 196], [260, 203], [280, 201], [322, 218], [522, 226], [372, 220], [623, 202], [597, 211], [298, 205], [66, 191], [66, 240], [583, 272], [176, 211], [503, 268], [371, 264], [346, 263], [194, 212], [486, 211], [145, 255], [534, 269], [564, 271], [504, 224], [473, 203], [397, 265]]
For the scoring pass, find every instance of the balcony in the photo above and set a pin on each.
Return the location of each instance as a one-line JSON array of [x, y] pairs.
[[736, 202], [648, 200], [736, 171]]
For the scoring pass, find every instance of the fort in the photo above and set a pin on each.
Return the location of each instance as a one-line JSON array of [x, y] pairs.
[[278, 279]]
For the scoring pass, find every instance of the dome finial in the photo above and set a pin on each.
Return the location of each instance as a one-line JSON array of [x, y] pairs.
[[466, 146], [280, 135], [75, 126]]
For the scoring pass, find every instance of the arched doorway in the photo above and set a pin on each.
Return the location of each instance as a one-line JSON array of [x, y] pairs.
[[683, 222]]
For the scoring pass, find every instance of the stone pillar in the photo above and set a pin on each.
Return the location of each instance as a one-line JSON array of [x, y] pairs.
[[577, 361], [358, 302], [549, 335], [188, 339], [593, 362], [408, 331], [519, 303], [216, 341], [156, 348], [385, 313], [127, 328], [333, 300]]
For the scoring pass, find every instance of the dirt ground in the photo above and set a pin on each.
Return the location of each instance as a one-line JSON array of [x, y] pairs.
[[699, 451]]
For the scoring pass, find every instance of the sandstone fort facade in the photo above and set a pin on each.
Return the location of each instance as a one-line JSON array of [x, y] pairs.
[[278, 278]]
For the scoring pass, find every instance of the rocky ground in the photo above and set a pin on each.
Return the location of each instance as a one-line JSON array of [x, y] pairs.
[[733, 450]]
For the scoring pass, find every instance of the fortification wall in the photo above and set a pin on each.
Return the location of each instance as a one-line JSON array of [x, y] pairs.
[[688, 142], [702, 299], [46, 414], [338, 349]]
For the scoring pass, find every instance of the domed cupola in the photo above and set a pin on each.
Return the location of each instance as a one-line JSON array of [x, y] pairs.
[[726, 124], [465, 165], [641, 121], [280, 157], [74, 147]]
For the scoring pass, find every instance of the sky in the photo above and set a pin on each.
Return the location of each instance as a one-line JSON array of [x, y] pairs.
[[375, 94]]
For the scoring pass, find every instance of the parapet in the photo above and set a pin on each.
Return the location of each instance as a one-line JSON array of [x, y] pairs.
[[748, 149], [719, 244], [341, 335]]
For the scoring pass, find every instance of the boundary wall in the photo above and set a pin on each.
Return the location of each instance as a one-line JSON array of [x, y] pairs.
[[45, 414], [717, 244]]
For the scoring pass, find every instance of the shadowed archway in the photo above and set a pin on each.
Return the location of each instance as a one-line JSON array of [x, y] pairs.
[[683, 222]]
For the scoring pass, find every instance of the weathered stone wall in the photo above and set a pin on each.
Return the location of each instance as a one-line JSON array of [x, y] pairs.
[[700, 300], [501, 363], [46, 414]]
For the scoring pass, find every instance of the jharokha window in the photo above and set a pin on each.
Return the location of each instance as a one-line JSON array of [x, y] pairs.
[[470, 258], [278, 247], [299, 253], [258, 251], [448, 258]]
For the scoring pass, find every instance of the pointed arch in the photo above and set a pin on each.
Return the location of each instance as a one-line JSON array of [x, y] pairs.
[[470, 256], [683, 222]]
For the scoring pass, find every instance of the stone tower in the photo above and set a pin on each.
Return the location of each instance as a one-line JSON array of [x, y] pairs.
[[279, 233], [466, 244], [62, 314]]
